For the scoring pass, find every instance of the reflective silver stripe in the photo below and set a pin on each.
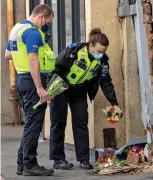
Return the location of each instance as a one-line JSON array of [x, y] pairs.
[[15, 31], [83, 57]]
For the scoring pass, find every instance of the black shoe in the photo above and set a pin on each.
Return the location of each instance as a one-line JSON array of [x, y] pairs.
[[19, 170], [37, 171], [85, 165], [62, 165]]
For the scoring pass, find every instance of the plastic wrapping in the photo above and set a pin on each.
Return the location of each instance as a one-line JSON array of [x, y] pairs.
[[56, 86]]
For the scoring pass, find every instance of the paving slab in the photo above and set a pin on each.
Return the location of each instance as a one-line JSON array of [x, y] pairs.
[[10, 139]]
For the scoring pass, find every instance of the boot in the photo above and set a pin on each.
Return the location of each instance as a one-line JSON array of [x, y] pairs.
[[62, 164], [19, 170], [85, 165], [37, 171]]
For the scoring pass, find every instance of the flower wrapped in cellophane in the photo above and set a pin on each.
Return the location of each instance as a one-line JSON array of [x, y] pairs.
[[56, 86], [112, 115]]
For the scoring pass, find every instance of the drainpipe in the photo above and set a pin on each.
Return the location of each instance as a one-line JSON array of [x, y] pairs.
[[13, 96]]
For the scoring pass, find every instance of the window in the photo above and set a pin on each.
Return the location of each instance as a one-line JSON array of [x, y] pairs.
[[68, 21], [82, 21], [68, 24]]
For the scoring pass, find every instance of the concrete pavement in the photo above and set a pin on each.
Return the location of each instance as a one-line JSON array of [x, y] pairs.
[[10, 137]]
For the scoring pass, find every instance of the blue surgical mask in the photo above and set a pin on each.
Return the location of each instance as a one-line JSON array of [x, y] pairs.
[[45, 28], [97, 55]]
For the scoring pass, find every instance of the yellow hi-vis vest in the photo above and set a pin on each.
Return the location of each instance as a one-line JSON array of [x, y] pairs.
[[20, 57], [83, 69]]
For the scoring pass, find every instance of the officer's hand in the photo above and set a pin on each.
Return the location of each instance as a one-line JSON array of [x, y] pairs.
[[42, 93], [119, 111]]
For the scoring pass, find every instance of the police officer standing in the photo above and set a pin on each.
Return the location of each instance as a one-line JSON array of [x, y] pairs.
[[33, 60], [87, 65]]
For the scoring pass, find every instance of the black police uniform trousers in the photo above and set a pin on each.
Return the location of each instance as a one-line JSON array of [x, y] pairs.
[[58, 116], [33, 119]]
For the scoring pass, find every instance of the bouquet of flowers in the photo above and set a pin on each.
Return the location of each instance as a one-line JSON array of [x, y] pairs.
[[112, 115], [105, 158], [56, 86]]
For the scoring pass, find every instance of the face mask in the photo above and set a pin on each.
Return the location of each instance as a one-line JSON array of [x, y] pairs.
[[97, 55], [45, 28]]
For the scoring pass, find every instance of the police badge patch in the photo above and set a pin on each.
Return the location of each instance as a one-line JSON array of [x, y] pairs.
[[105, 70]]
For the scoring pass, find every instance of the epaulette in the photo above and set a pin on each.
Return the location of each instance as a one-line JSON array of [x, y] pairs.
[[73, 45]]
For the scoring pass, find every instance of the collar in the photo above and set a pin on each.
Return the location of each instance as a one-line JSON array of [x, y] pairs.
[[26, 21]]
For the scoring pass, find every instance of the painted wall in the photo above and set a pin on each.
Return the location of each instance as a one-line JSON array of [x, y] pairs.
[[103, 14]]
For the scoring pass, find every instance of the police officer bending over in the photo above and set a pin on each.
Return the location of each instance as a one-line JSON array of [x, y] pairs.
[[33, 60], [85, 64]]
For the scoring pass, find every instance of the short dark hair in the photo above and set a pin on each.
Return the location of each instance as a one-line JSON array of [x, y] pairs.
[[96, 36], [43, 8]]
